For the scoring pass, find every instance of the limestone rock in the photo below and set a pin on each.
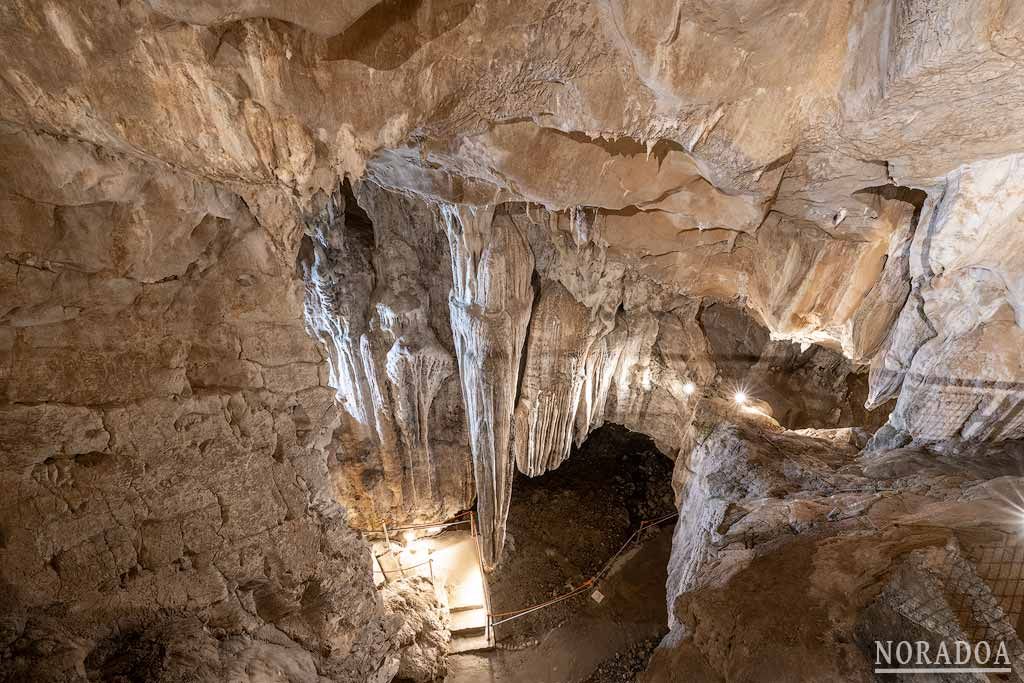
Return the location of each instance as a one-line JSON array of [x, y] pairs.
[[490, 308], [274, 271], [422, 632], [374, 300], [966, 354], [806, 553], [170, 511]]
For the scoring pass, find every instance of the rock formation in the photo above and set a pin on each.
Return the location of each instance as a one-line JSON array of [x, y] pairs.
[[490, 309], [422, 619], [375, 298], [162, 432], [794, 554], [275, 272]]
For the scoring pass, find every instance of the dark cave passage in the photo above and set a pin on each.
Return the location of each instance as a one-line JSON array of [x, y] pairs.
[[565, 525]]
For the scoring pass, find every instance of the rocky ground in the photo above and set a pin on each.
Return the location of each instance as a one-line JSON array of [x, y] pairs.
[[631, 613], [565, 525], [797, 550], [625, 666]]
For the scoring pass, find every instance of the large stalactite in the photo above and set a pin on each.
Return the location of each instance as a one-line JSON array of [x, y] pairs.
[[490, 311]]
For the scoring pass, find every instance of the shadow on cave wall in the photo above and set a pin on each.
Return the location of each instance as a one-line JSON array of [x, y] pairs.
[[126, 658], [812, 387], [389, 34]]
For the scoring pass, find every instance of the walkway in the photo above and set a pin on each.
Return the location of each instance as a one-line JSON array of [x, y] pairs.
[[633, 609], [457, 569], [450, 559]]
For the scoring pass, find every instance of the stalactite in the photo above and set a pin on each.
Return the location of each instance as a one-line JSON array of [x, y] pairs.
[[553, 381], [490, 306]]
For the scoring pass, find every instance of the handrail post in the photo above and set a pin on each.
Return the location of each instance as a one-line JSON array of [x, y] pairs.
[[483, 578]]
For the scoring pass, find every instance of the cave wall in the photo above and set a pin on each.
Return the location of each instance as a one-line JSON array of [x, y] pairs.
[[377, 284], [554, 331], [273, 271], [796, 551], [163, 423]]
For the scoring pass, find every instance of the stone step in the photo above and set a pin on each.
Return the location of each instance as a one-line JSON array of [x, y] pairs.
[[469, 622], [464, 608], [470, 644]]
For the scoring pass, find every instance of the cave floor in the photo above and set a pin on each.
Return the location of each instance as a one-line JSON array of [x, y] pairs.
[[562, 528], [632, 611]]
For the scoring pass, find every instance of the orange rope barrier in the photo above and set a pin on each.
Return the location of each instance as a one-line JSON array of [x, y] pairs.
[[515, 614]]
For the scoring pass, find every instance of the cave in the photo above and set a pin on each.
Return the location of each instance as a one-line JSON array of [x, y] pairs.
[[574, 523], [514, 341]]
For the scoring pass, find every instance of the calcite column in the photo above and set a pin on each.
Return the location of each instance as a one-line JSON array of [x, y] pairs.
[[490, 305], [371, 280], [417, 369], [562, 333]]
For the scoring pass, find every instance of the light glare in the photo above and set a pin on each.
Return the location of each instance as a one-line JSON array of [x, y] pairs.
[[740, 397], [689, 388]]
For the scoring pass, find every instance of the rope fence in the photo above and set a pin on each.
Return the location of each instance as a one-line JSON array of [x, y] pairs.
[[402, 570], [497, 618], [386, 529], [505, 617]]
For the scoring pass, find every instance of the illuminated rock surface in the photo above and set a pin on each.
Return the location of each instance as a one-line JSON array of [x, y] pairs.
[[274, 271], [795, 553]]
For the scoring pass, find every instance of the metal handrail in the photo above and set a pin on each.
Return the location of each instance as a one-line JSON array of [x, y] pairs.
[[425, 525], [514, 614], [386, 530], [489, 632], [474, 534]]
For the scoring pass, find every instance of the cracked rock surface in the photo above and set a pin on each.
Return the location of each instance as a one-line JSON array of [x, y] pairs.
[[272, 272], [795, 551]]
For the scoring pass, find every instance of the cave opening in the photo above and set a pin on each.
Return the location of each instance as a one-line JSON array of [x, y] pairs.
[[573, 524]]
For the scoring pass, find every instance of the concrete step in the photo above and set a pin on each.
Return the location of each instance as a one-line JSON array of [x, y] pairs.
[[464, 608], [469, 622], [467, 588], [463, 644]]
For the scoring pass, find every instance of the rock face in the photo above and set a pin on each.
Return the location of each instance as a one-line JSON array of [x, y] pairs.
[[422, 628], [163, 431], [793, 555], [274, 271], [961, 344], [375, 298]]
